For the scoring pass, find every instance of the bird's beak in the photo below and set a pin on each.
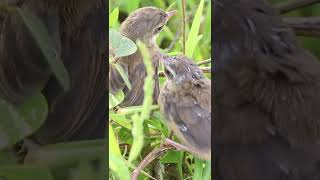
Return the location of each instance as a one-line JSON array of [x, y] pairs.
[[171, 13]]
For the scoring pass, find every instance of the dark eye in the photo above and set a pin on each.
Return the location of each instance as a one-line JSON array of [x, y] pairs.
[[168, 73], [159, 29]]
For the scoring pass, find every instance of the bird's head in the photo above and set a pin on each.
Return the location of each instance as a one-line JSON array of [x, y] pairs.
[[145, 24], [180, 69]]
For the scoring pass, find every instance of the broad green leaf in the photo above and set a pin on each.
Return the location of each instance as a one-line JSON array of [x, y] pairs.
[[42, 37], [113, 17], [121, 120], [193, 34], [24, 173], [20, 121], [121, 45], [115, 99], [113, 143]]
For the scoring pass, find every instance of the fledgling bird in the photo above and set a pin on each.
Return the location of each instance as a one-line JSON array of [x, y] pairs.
[[145, 24], [266, 97], [185, 102]]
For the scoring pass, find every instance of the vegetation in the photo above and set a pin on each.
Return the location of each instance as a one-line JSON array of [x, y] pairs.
[[133, 131]]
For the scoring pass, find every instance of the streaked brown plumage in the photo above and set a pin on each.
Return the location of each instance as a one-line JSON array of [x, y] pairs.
[[78, 30], [144, 24], [185, 102]]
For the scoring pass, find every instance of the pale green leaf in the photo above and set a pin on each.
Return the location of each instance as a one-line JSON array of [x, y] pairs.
[[113, 17], [193, 34]]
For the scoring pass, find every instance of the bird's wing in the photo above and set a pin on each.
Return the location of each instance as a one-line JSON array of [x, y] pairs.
[[189, 121], [135, 96], [285, 89]]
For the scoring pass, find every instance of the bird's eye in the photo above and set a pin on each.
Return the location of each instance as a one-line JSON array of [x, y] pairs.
[[168, 73], [159, 29]]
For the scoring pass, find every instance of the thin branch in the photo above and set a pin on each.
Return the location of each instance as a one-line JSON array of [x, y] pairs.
[[157, 153], [204, 70], [293, 5], [204, 62], [176, 37], [309, 26], [180, 146], [148, 159], [184, 22]]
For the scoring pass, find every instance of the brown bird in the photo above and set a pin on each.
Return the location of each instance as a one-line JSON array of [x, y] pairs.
[[185, 102], [144, 24], [78, 33], [266, 97]]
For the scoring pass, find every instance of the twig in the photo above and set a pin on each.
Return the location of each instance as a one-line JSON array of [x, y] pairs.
[[176, 37], [204, 70], [158, 152], [309, 26], [184, 22], [148, 159], [293, 5], [204, 62], [180, 146]]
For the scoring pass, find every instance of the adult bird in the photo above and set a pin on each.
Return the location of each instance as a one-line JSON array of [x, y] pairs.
[[78, 34], [185, 102], [266, 97], [144, 24]]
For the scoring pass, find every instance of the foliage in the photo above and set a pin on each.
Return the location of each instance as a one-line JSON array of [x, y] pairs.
[[19, 121], [133, 131]]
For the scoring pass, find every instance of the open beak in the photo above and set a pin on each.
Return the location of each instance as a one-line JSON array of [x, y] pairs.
[[171, 13]]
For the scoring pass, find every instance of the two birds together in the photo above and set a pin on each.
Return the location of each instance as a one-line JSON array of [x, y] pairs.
[[184, 100], [266, 97]]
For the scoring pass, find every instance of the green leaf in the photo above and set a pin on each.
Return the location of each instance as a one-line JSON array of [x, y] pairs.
[[121, 45], [113, 143], [207, 171], [119, 167], [18, 122], [42, 37], [115, 99], [113, 17], [66, 153], [193, 34], [24, 173], [123, 75], [171, 157], [198, 169], [121, 120]]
